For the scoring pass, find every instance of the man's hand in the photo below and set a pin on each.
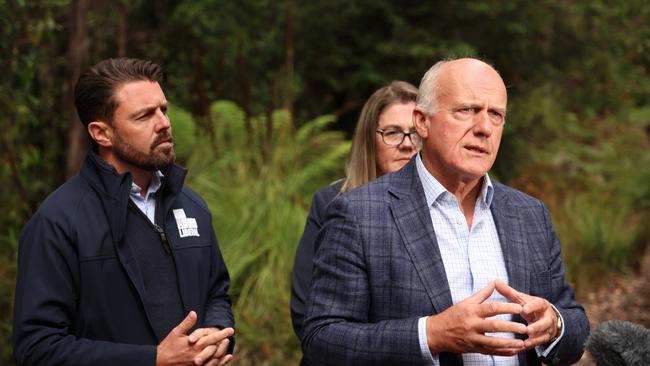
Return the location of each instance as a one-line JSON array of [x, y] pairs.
[[214, 344], [538, 312], [202, 345], [462, 327]]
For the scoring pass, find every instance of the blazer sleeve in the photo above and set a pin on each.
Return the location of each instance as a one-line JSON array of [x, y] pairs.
[[576, 325], [338, 329], [301, 275], [45, 305]]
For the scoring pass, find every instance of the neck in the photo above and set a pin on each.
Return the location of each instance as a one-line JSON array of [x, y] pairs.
[[465, 189], [142, 179], [140, 176]]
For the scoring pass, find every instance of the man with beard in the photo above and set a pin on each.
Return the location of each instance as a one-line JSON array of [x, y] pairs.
[[120, 265]]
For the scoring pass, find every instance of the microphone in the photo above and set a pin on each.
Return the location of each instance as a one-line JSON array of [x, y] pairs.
[[619, 343]]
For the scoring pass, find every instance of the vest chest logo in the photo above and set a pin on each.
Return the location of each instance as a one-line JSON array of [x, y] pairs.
[[186, 225]]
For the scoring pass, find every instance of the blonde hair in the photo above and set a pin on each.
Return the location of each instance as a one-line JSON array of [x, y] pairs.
[[361, 167]]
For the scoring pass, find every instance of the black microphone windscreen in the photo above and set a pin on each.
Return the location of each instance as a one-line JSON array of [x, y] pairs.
[[620, 343]]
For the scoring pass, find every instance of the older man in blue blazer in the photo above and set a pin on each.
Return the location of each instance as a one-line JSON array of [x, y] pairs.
[[437, 264]]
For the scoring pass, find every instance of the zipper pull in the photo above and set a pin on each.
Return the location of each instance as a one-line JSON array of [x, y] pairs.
[[163, 239]]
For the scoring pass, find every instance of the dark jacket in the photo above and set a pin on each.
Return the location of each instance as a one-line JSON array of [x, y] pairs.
[[79, 291], [302, 266]]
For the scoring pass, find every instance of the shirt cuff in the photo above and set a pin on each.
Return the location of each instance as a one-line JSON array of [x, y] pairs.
[[543, 351], [428, 358]]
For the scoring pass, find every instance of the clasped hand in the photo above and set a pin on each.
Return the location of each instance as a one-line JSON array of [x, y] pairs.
[[204, 346], [462, 327]]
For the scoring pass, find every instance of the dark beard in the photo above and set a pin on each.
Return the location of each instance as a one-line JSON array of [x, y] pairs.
[[150, 161]]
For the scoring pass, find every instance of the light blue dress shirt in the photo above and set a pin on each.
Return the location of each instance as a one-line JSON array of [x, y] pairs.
[[472, 257], [147, 204]]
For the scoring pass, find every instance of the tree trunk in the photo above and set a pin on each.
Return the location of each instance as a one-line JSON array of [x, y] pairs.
[[288, 57], [121, 35], [8, 146], [77, 141], [267, 137], [242, 81], [199, 95], [243, 93]]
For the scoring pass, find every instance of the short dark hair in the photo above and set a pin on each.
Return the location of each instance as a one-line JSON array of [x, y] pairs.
[[94, 92]]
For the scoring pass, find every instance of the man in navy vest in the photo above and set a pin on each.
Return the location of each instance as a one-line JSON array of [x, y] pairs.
[[120, 265]]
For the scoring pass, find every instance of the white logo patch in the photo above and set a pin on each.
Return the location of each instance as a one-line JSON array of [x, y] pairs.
[[186, 225]]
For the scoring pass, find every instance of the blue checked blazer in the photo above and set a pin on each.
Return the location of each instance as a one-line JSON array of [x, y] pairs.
[[377, 269]]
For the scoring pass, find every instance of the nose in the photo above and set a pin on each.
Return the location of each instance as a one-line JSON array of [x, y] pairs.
[[407, 144], [162, 120], [482, 124]]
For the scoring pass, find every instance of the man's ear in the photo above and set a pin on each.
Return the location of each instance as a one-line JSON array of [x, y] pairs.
[[421, 122], [101, 132]]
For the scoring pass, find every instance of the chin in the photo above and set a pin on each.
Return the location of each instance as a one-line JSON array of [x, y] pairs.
[[396, 167], [474, 175], [478, 170]]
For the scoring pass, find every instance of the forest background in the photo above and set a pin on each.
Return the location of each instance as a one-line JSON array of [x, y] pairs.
[[265, 95]]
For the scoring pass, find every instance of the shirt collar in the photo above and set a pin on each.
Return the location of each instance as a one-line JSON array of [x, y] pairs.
[[434, 190], [154, 185], [487, 191]]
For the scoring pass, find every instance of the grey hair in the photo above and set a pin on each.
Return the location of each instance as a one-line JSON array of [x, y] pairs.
[[427, 99]]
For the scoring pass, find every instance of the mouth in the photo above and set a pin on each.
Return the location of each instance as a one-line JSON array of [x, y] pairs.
[[168, 140], [477, 149], [405, 158]]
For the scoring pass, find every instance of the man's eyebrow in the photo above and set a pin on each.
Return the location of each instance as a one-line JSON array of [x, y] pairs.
[[143, 111], [463, 105], [499, 110], [147, 109]]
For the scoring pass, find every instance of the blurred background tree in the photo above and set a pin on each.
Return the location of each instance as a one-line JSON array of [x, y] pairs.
[[248, 80]]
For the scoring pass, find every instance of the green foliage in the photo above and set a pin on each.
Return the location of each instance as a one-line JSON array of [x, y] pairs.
[[598, 238], [592, 173], [30, 142], [579, 96], [257, 176], [184, 131], [230, 54], [603, 217]]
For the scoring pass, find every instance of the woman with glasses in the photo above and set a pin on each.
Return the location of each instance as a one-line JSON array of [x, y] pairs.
[[384, 141]]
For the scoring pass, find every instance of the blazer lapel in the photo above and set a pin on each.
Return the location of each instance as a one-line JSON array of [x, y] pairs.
[[512, 240], [411, 215]]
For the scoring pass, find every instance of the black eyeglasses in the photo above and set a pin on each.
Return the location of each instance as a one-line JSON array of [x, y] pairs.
[[393, 137]]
